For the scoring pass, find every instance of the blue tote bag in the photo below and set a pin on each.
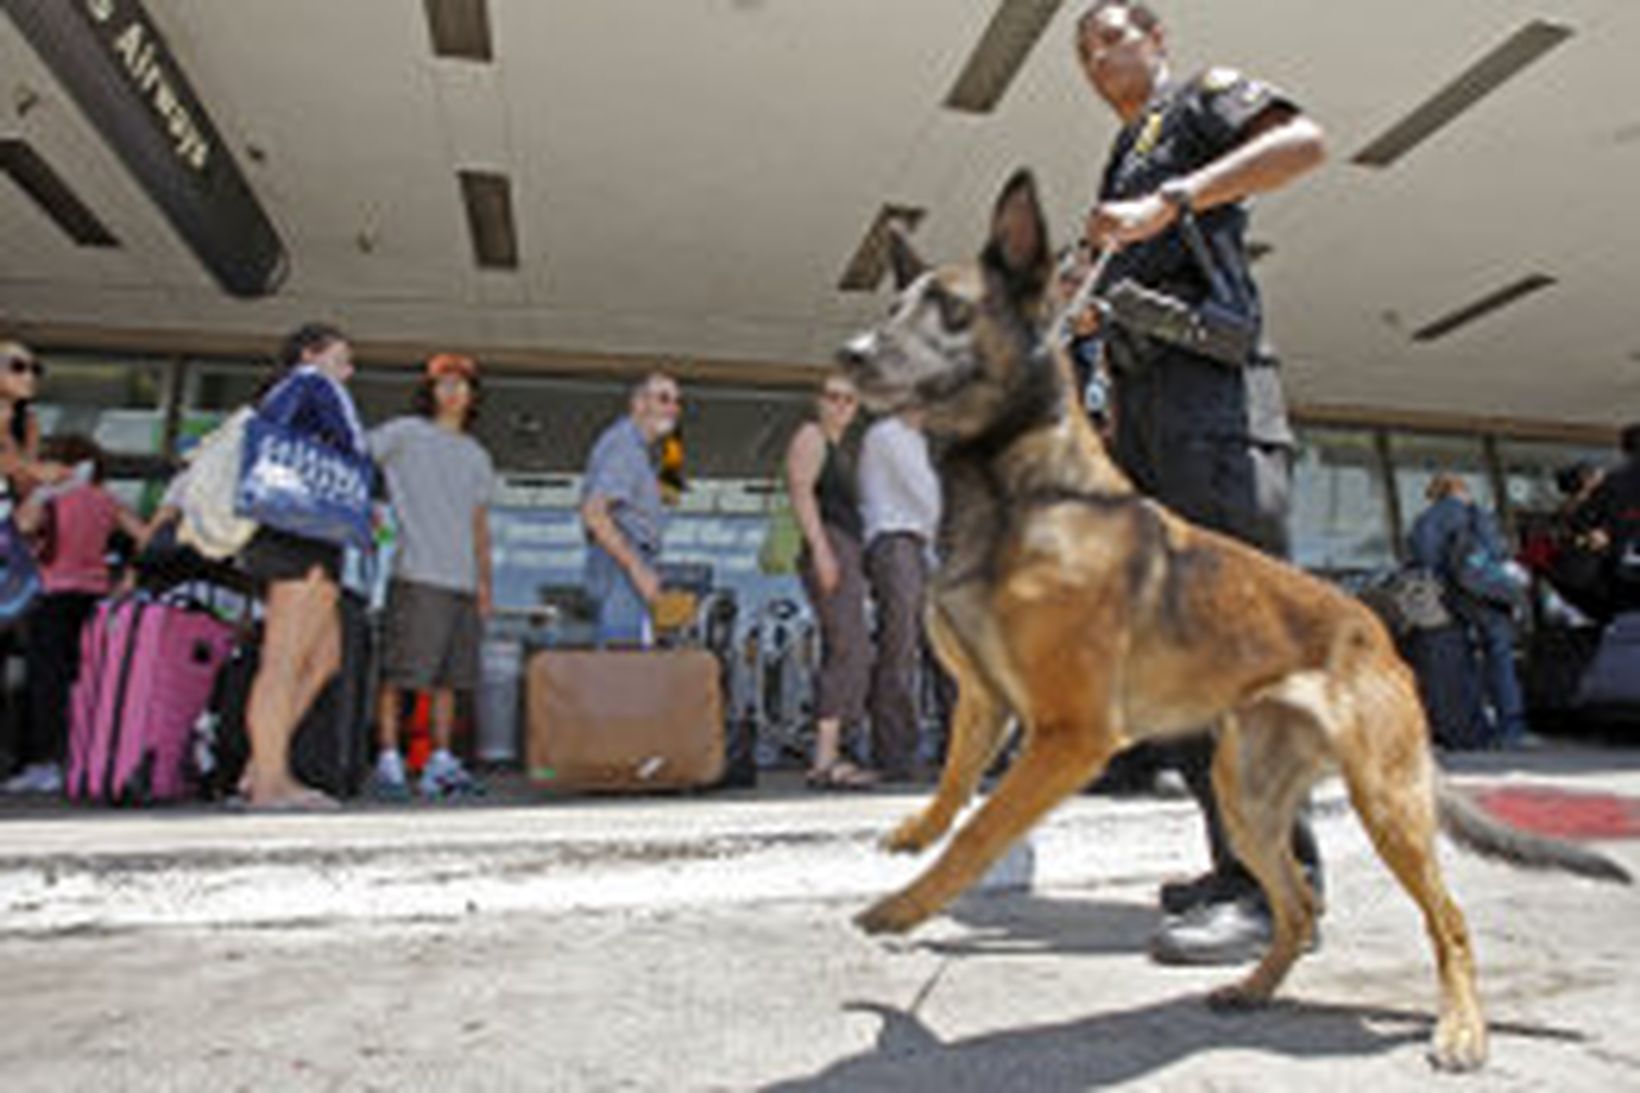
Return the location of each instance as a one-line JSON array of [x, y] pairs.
[[19, 575], [292, 482]]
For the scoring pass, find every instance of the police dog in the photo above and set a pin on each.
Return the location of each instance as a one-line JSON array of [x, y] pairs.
[[1096, 618]]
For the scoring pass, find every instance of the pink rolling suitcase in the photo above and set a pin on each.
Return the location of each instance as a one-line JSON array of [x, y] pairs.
[[146, 670]]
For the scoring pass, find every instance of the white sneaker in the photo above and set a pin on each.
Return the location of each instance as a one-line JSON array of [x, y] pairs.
[[35, 778], [387, 781], [444, 777], [50, 779]]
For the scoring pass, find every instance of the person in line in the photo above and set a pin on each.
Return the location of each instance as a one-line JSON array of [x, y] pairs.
[[1460, 542], [624, 515], [900, 503], [1608, 524], [1207, 438], [72, 521], [20, 374], [20, 472], [301, 643], [820, 481], [439, 481]]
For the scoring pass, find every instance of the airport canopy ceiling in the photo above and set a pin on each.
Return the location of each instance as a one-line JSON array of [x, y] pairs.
[[615, 182]]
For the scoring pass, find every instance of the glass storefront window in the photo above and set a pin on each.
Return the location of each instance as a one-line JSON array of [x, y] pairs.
[[1419, 457], [1341, 518], [114, 402], [1529, 469]]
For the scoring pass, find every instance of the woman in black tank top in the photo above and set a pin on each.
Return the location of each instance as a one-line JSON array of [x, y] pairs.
[[825, 501]]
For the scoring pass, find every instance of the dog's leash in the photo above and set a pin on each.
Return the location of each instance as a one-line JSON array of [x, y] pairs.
[[1086, 296]]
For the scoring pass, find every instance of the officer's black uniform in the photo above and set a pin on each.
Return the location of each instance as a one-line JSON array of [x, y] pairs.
[[1209, 440]]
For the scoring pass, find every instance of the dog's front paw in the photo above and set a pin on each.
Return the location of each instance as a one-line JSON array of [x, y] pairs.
[[894, 915], [1237, 998], [1459, 1044], [913, 836]]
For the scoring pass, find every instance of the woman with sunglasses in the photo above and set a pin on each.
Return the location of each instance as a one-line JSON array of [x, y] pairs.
[[825, 500], [20, 375]]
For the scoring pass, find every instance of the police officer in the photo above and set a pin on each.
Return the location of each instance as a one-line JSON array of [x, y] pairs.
[[1208, 438]]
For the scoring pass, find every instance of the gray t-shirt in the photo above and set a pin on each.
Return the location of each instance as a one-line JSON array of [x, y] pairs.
[[435, 479]]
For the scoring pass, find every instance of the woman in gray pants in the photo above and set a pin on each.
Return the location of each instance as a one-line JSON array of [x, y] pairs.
[[824, 498]]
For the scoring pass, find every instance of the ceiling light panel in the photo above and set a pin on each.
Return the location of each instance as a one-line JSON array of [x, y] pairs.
[[1002, 51], [1524, 47], [41, 182], [461, 29], [1489, 304]]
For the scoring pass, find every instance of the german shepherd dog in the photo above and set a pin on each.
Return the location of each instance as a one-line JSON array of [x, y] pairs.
[[1096, 618]]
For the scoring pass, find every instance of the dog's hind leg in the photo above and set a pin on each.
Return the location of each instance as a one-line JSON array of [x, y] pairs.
[[1390, 774], [978, 729], [1268, 755]]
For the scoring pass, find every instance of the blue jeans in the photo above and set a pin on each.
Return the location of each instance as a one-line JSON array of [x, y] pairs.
[[1494, 635], [622, 615]]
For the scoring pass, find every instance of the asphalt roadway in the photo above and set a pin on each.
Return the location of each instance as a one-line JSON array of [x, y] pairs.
[[705, 944]]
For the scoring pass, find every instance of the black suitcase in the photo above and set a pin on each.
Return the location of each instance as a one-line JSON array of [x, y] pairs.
[[1449, 683], [331, 748], [1608, 695]]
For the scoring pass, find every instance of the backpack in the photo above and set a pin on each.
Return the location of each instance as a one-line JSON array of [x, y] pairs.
[[1479, 572], [207, 490]]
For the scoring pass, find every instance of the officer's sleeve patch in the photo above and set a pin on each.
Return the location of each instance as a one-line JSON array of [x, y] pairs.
[[1233, 101]]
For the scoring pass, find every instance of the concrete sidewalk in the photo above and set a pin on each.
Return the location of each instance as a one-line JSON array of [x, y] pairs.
[[78, 870]]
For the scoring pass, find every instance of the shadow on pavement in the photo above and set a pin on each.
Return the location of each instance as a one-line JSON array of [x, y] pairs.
[[1111, 1048], [1003, 923]]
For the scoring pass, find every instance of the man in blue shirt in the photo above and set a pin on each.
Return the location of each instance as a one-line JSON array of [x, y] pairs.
[[622, 512]]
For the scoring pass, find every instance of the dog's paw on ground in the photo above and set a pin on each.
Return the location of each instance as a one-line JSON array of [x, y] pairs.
[[912, 837], [1459, 1044], [1237, 998], [895, 915]]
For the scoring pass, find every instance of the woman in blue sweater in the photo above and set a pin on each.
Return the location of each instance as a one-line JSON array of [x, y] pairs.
[[301, 642]]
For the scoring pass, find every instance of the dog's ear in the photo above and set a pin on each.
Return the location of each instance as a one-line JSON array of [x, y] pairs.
[[1018, 252], [903, 258]]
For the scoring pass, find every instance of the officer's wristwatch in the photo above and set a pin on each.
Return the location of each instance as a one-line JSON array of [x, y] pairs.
[[1176, 192]]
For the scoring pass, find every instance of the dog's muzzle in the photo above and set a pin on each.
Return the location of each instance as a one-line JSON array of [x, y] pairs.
[[860, 351]]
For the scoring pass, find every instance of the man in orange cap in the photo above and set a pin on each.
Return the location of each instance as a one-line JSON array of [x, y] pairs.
[[439, 480]]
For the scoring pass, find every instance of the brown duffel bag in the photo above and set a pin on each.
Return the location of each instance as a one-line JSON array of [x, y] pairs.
[[624, 721]]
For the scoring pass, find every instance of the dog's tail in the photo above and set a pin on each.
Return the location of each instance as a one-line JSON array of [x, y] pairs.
[[1471, 827]]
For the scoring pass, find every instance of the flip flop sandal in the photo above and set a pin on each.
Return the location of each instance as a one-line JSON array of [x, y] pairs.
[[841, 776], [311, 801]]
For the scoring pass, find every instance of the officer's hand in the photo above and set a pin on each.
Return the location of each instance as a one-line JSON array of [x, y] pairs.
[[1114, 223]]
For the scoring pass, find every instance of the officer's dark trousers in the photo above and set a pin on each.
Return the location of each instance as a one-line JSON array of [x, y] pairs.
[[1242, 489]]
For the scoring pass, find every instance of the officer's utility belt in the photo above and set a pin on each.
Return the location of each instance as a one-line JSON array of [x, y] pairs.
[[1219, 328], [1208, 330]]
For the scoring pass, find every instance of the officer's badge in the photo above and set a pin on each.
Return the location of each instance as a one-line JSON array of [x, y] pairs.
[[1149, 135], [1220, 79]]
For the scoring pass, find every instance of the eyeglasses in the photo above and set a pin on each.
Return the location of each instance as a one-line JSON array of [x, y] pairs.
[[667, 398], [840, 397], [19, 366]]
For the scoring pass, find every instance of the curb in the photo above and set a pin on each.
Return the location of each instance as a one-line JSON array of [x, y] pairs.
[[216, 871]]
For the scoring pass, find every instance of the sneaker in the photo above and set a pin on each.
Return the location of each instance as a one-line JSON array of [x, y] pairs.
[[387, 781], [444, 778], [1235, 931], [1228, 932], [35, 778], [49, 780], [1179, 897]]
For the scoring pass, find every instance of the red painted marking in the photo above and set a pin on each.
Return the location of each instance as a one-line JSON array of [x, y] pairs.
[[1564, 814]]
